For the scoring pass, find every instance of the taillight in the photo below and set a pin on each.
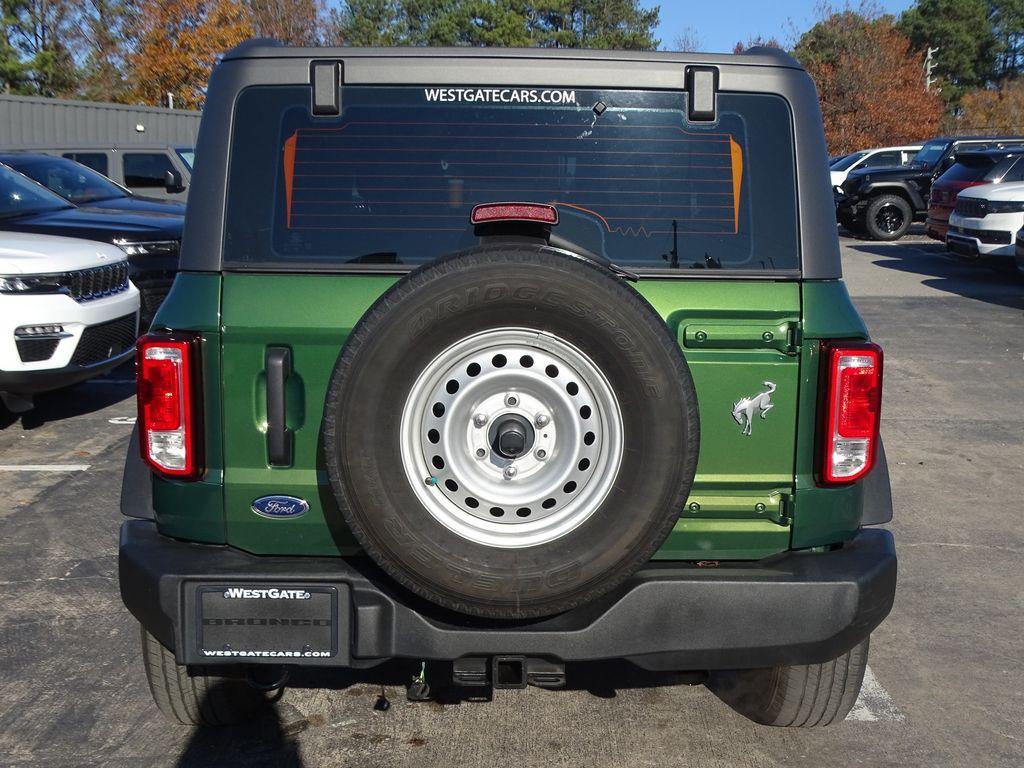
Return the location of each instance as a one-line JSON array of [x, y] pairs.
[[168, 423], [489, 212], [852, 409]]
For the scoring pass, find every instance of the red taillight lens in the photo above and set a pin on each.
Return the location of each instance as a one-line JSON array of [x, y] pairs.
[[488, 212], [167, 414], [159, 394], [853, 404]]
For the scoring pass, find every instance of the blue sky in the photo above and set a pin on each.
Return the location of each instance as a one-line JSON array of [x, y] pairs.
[[719, 25]]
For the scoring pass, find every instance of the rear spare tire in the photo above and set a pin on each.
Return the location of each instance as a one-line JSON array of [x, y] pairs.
[[511, 432]]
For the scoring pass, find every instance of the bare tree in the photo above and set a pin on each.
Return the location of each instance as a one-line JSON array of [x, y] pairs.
[[689, 40], [756, 42], [296, 22]]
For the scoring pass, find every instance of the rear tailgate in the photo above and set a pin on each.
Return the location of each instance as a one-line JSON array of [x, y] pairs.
[[337, 207]]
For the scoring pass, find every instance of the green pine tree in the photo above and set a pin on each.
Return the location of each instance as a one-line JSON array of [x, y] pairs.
[[105, 38], [963, 32], [499, 23], [1008, 24], [14, 75]]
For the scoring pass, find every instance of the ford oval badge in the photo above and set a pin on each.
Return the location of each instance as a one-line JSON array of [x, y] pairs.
[[280, 507]]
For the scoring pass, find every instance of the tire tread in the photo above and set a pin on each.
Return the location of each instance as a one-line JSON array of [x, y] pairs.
[[798, 696], [195, 699]]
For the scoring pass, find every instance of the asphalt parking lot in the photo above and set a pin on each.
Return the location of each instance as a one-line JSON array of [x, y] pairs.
[[945, 687]]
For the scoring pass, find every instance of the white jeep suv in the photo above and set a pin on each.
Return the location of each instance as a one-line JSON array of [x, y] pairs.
[[986, 220], [68, 312]]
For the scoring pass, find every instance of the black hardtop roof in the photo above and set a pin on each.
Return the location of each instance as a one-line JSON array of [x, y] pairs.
[[952, 139], [266, 48], [990, 154]]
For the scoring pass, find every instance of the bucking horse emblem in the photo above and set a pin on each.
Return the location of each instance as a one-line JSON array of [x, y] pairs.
[[744, 410]]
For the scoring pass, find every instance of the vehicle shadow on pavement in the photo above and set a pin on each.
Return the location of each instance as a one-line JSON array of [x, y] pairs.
[[271, 738], [66, 403], [944, 273], [916, 230], [266, 741]]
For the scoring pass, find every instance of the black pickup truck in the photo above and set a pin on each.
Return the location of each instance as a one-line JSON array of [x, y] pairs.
[[882, 203]]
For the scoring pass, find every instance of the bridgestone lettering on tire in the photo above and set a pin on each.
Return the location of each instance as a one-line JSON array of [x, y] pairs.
[[511, 432]]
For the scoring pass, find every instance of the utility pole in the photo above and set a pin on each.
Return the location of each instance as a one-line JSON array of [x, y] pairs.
[[929, 65]]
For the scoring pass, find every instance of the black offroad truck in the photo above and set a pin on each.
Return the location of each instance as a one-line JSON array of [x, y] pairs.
[[882, 203]]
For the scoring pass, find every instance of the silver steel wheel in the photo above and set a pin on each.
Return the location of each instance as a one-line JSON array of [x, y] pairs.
[[511, 437]]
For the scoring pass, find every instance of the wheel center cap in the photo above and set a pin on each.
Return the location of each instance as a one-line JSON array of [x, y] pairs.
[[512, 436]]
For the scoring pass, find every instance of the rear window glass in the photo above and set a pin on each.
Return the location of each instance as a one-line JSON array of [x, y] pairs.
[[146, 170], [845, 163], [394, 178], [971, 168], [187, 155], [1012, 170], [95, 160]]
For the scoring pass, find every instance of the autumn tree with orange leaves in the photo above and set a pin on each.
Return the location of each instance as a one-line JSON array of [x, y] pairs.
[[870, 83], [179, 42], [993, 110]]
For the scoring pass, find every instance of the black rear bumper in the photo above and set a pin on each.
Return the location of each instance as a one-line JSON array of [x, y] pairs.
[[793, 609]]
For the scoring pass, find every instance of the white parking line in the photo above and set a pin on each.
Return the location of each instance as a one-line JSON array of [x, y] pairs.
[[122, 420], [874, 703], [44, 467]]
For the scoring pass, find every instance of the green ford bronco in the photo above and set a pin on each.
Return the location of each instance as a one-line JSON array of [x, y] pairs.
[[489, 362]]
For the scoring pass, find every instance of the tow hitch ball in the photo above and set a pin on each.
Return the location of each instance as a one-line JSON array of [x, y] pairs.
[[496, 672]]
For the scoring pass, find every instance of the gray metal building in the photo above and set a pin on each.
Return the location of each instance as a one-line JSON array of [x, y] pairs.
[[30, 122]]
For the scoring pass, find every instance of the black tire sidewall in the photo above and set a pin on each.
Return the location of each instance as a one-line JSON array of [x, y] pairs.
[[509, 286], [875, 205]]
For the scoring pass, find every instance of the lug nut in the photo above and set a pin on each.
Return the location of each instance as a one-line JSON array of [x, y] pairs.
[[541, 454], [480, 419], [481, 453], [511, 400], [509, 472], [542, 420]]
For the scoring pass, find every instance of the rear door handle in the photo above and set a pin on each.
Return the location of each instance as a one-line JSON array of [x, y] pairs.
[[279, 438]]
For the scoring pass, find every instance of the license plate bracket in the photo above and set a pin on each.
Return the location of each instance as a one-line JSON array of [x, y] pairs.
[[270, 623]]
